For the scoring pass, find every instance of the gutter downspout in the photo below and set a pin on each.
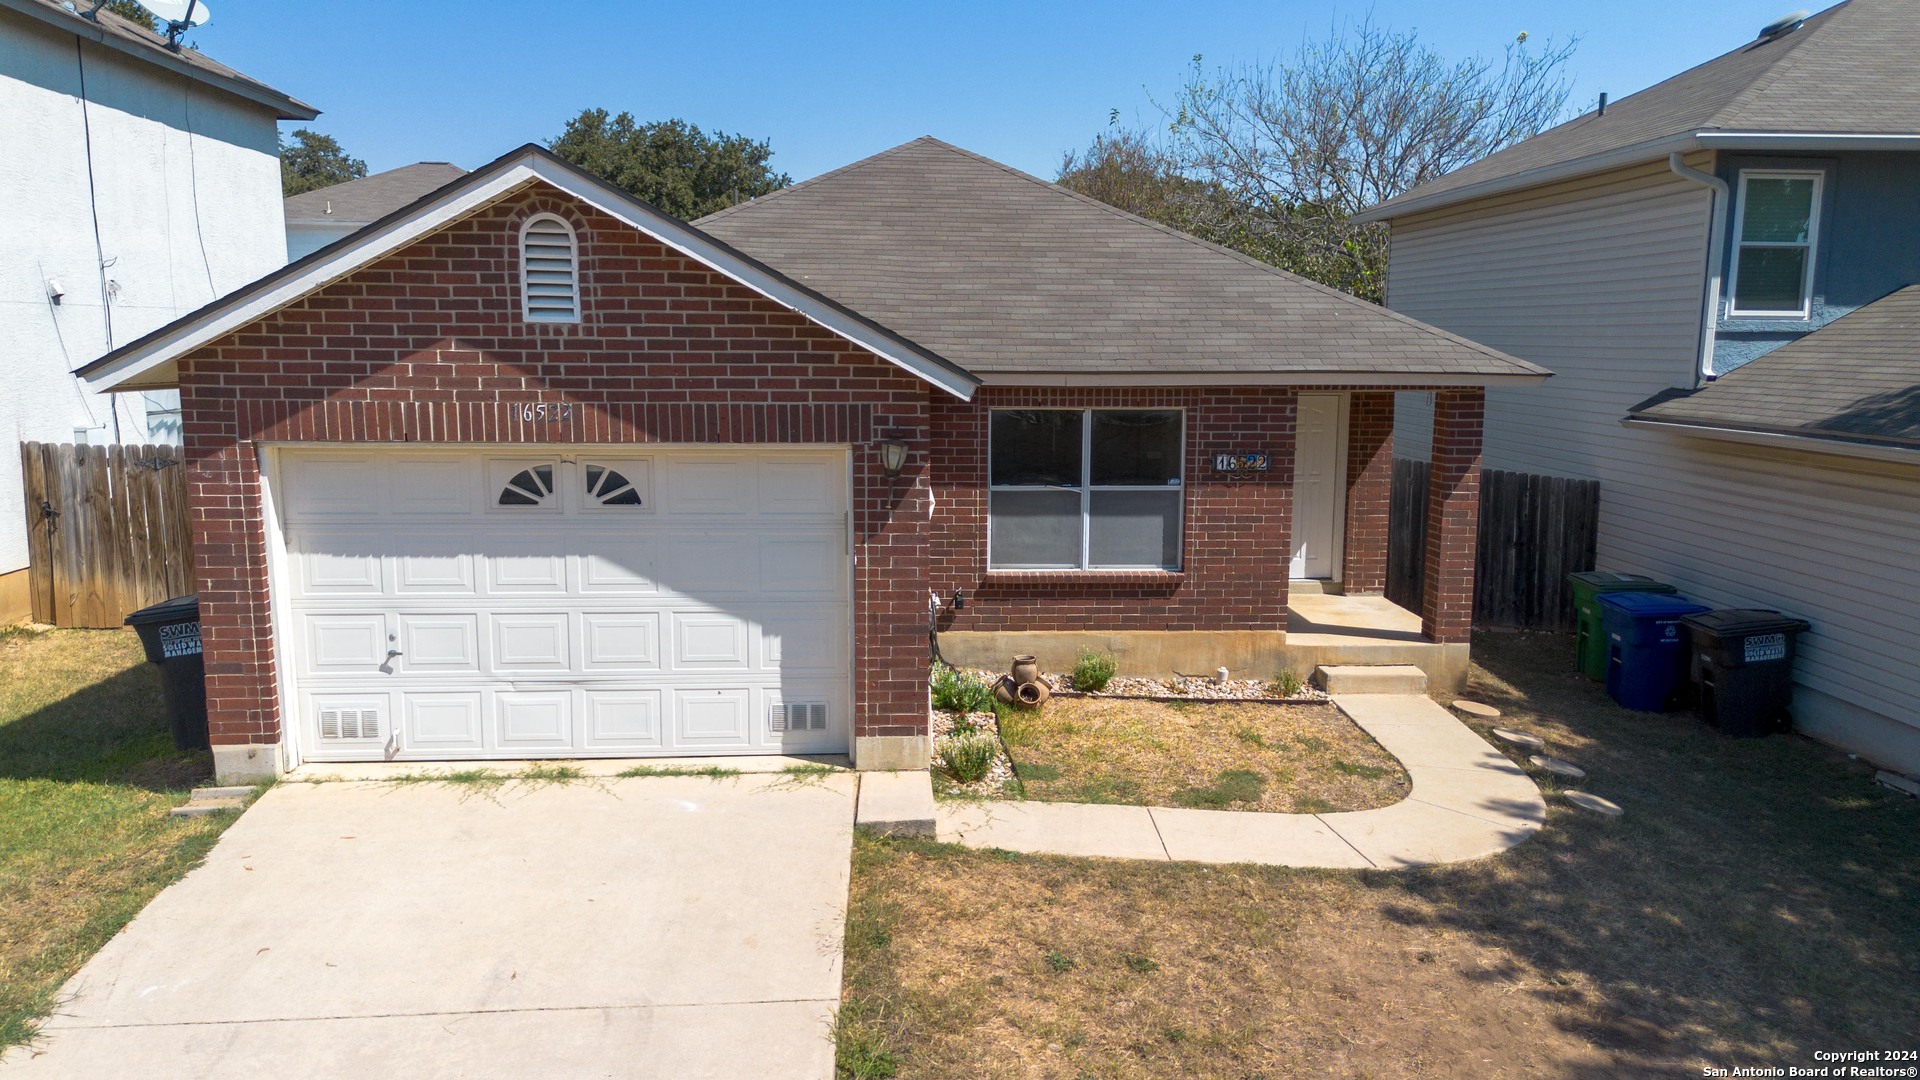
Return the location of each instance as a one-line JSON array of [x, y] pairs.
[[1716, 249]]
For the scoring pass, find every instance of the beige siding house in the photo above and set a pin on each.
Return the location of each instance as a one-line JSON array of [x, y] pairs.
[[1769, 463]]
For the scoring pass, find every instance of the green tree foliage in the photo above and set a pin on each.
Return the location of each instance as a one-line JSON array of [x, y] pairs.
[[314, 161], [132, 12], [671, 164], [1273, 160]]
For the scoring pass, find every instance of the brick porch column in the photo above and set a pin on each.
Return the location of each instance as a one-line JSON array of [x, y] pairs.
[[1369, 492], [1453, 515]]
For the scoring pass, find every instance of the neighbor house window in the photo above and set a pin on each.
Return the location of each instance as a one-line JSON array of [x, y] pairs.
[[1776, 222], [549, 271], [1084, 489]]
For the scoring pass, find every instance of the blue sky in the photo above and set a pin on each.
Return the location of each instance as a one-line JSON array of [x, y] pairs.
[[831, 82]]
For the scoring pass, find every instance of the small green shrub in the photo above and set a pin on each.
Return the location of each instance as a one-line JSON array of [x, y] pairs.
[[1092, 672], [967, 758], [1059, 962], [958, 691], [1286, 683]]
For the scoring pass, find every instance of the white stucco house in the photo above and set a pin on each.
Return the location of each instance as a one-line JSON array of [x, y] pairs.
[[140, 182]]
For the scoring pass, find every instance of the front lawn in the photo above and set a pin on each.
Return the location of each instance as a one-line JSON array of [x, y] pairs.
[[1759, 901], [88, 773], [1296, 759]]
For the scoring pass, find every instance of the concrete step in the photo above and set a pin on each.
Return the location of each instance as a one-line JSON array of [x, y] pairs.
[[1313, 587], [1370, 679], [896, 803], [236, 792], [203, 807]]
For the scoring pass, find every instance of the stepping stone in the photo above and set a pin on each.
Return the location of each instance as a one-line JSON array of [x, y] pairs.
[[896, 803], [1593, 803], [1519, 738], [1557, 767], [1475, 708], [236, 792]]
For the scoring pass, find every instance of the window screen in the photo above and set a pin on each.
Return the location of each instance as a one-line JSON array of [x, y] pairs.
[[1085, 489]]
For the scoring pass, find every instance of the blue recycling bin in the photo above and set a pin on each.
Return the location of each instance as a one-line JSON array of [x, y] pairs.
[[1646, 647]]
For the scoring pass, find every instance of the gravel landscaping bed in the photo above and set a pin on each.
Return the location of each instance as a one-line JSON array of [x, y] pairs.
[[1189, 688], [999, 783]]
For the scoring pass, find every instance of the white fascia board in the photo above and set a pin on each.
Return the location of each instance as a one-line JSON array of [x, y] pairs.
[[139, 369], [1639, 153], [1782, 440], [1260, 378]]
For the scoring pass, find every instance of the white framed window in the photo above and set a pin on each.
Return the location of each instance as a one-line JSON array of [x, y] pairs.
[[1085, 489], [549, 270], [1776, 226]]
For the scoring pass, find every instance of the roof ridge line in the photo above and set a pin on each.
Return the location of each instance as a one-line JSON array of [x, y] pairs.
[[1249, 260], [761, 200]]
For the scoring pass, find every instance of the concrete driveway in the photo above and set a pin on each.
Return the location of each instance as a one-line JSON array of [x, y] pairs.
[[664, 926]]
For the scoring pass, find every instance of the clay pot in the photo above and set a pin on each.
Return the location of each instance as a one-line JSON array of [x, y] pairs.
[[1025, 670], [1003, 691], [1032, 694]]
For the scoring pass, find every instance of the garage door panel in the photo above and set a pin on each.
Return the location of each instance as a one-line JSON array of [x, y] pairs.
[[441, 643], [323, 486], [703, 565], [623, 719], [799, 487], [533, 720], [322, 572], [713, 719], [433, 564], [345, 643], [616, 642], [809, 639], [527, 568], [443, 722], [530, 642], [802, 563], [710, 484], [623, 565], [709, 641], [430, 486]]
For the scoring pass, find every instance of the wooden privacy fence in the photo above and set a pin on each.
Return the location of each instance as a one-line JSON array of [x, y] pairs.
[[1534, 531], [106, 530]]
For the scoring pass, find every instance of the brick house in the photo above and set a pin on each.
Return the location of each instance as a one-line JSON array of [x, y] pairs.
[[530, 469]]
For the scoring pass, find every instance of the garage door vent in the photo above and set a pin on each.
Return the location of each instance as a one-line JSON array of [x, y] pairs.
[[800, 716], [349, 723]]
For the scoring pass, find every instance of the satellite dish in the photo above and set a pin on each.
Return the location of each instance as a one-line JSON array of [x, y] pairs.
[[180, 13]]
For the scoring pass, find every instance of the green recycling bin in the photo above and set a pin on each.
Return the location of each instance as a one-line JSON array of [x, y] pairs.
[[1590, 641]]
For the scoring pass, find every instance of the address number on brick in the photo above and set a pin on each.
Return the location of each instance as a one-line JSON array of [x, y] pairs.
[[1240, 462], [553, 412]]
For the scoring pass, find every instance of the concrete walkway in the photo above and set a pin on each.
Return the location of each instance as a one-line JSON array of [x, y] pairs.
[[654, 927], [1468, 801]]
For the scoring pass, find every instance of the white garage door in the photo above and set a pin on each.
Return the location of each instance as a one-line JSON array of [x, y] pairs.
[[469, 604]]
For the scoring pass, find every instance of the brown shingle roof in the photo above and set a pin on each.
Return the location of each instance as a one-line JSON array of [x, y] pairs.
[[132, 39], [1856, 378], [1002, 272], [371, 198], [1845, 71]]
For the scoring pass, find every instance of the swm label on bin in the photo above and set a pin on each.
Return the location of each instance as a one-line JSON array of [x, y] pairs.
[[1766, 647], [180, 639]]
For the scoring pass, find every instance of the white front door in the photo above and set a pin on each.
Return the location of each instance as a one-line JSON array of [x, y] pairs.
[[564, 602], [1319, 484]]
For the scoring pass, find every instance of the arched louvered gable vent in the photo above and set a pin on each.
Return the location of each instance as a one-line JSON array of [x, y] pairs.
[[549, 271]]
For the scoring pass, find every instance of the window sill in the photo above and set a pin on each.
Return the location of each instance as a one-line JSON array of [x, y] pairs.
[[1004, 578]]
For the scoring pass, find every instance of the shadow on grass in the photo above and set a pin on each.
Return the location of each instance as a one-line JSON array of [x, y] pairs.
[[114, 731], [1759, 900]]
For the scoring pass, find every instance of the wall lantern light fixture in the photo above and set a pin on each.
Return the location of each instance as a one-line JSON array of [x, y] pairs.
[[893, 455]]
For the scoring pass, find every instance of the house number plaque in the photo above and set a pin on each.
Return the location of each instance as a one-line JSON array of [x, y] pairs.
[[556, 412], [1240, 462]]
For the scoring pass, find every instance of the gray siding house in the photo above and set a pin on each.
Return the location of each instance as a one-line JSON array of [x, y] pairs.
[[1714, 269]]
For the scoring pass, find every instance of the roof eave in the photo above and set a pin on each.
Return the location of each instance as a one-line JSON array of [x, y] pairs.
[[1639, 153], [146, 362], [287, 108], [1330, 377], [1779, 439]]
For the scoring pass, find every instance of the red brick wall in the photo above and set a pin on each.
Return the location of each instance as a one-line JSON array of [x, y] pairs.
[[427, 345], [1453, 515], [1237, 543], [1369, 491]]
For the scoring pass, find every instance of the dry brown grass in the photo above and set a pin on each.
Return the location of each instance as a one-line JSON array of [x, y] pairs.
[[1291, 758], [1759, 901]]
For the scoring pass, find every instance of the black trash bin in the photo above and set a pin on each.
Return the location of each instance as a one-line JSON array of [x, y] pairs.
[[170, 631], [1743, 667]]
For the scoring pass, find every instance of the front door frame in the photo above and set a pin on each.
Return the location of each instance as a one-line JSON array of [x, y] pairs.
[[1337, 490]]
